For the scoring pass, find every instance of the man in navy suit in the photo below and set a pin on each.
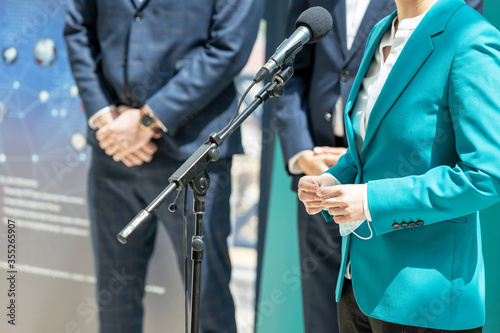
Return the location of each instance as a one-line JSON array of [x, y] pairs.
[[312, 138], [310, 126], [156, 78]]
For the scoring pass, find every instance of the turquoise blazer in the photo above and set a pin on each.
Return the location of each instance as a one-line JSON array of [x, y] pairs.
[[431, 159]]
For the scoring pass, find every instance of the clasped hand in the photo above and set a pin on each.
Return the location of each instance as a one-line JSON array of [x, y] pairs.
[[121, 137], [316, 161], [343, 202]]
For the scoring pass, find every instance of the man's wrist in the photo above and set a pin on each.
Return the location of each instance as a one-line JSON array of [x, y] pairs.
[[149, 121], [102, 117], [293, 164]]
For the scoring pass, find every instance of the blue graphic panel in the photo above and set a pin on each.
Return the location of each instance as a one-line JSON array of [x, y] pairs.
[[43, 169]]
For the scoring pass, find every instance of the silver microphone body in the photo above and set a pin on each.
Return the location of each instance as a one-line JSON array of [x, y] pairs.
[[289, 48]]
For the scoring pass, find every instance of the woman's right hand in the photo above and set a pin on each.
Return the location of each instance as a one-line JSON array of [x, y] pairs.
[[308, 188]]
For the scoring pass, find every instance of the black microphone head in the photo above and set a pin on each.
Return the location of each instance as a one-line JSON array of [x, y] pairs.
[[318, 20]]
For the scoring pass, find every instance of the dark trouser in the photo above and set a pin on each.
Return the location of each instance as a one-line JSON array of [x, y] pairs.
[[353, 320], [116, 195], [319, 246]]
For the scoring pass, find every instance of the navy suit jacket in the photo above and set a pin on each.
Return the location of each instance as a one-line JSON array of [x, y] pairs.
[[179, 57], [323, 71]]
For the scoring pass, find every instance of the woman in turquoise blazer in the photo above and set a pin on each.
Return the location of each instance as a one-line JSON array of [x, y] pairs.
[[429, 162]]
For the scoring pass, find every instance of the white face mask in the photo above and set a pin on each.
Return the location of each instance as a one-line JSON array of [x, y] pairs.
[[346, 228]]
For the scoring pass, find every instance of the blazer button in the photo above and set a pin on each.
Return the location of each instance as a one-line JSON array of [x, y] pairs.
[[328, 116], [404, 225], [395, 226], [420, 223], [138, 16], [345, 76], [411, 224]]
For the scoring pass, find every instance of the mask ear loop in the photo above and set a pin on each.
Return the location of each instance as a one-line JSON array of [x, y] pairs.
[[364, 238]]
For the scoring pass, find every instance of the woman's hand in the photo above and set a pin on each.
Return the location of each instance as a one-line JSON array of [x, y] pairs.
[[308, 188], [344, 202]]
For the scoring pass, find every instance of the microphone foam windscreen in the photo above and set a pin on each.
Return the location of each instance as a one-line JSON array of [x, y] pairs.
[[318, 20]]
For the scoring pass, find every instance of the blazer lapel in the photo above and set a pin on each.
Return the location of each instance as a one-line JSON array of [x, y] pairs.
[[339, 19], [416, 51], [138, 5], [419, 46], [377, 32]]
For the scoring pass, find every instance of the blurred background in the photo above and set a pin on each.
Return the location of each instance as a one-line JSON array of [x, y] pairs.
[[43, 168]]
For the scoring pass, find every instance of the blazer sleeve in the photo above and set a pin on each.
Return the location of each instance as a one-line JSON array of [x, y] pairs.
[[84, 55], [345, 171], [233, 31], [290, 110], [448, 192]]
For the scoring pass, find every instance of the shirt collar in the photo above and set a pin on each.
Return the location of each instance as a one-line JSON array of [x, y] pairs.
[[409, 23]]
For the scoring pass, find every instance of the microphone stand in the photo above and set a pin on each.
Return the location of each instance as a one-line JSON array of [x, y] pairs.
[[192, 172]]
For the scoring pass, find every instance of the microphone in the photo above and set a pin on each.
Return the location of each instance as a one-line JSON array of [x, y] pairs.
[[311, 26]]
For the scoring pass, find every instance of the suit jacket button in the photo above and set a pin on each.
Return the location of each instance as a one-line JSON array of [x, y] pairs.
[[404, 225], [411, 224], [345, 76], [420, 223], [328, 116], [138, 16], [395, 226]]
